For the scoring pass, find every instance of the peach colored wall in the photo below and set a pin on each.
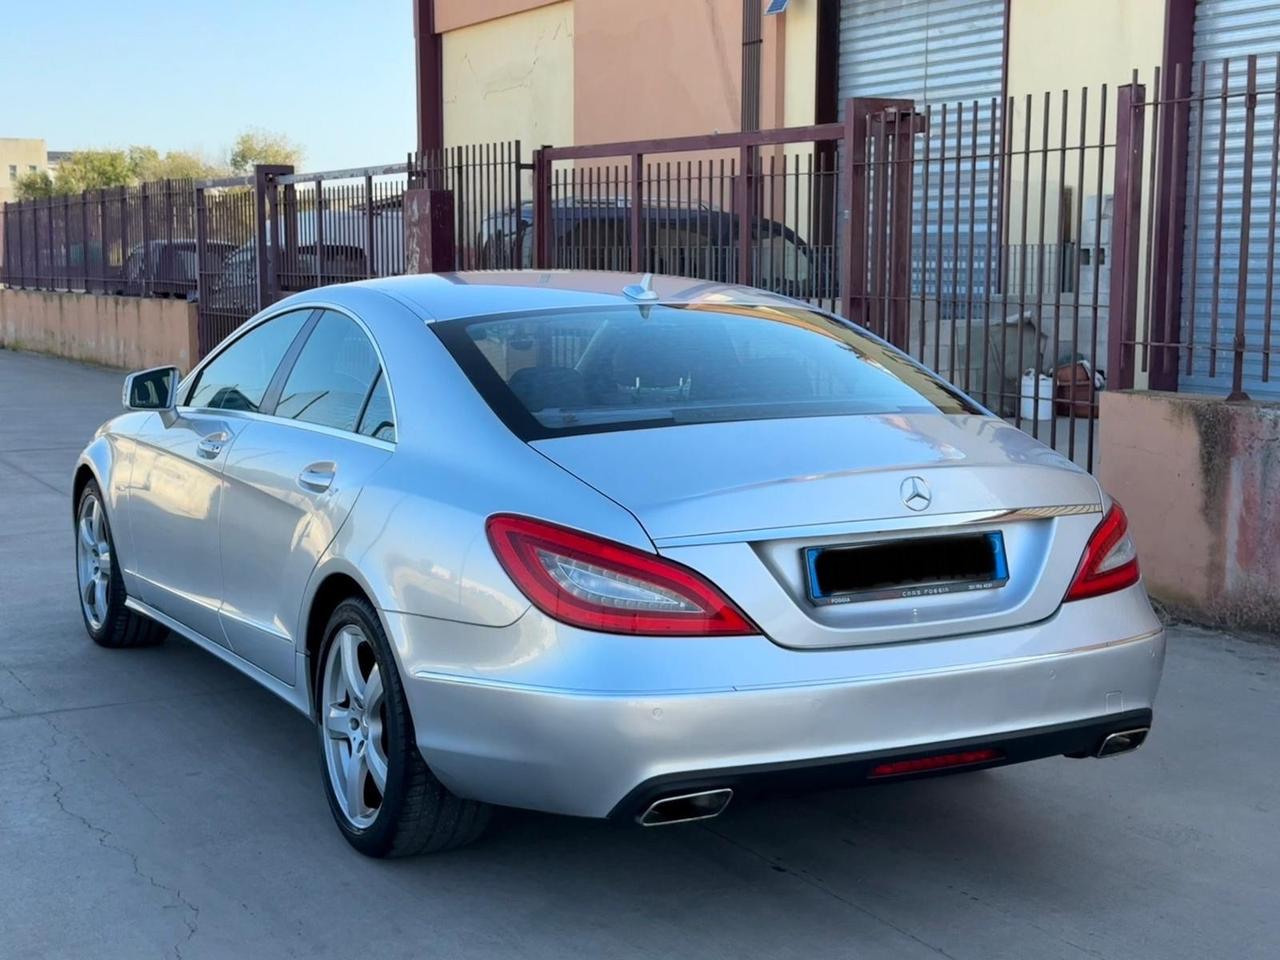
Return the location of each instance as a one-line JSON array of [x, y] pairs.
[[452, 14], [1200, 481], [511, 79], [127, 332], [661, 68]]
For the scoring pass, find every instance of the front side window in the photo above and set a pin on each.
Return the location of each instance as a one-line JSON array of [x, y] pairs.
[[626, 368], [238, 377], [332, 377]]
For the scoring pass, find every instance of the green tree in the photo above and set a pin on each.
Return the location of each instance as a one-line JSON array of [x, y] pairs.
[[93, 170], [261, 146], [35, 185], [146, 163]]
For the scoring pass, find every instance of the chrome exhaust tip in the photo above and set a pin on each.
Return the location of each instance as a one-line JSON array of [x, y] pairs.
[[1122, 741], [685, 808]]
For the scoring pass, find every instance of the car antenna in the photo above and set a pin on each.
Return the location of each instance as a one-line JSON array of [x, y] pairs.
[[642, 292]]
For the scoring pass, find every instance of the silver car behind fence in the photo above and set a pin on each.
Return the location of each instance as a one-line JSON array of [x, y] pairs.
[[592, 545]]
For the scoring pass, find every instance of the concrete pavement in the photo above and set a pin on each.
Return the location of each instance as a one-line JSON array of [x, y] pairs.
[[155, 804]]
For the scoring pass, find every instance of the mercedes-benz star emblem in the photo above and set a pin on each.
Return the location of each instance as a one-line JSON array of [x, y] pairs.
[[915, 493]]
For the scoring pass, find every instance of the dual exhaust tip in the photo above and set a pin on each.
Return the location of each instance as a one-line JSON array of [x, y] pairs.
[[705, 804], [1122, 741], [686, 807]]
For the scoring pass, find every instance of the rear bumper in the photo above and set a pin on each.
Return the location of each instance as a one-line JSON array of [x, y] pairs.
[[1082, 738], [632, 715]]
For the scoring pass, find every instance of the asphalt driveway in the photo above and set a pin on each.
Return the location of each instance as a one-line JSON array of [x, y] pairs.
[[155, 804]]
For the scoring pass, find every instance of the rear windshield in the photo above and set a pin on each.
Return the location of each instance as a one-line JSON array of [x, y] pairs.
[[638, 367]]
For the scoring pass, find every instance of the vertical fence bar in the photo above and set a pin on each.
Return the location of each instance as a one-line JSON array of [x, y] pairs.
[[1219, 203], [746, 188], [1271, 225], [542, 225], [1125, 229], [1200, 101], [1239, 341], [145, 259]]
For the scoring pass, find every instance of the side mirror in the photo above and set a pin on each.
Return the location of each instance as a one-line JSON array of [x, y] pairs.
[[154, 389]]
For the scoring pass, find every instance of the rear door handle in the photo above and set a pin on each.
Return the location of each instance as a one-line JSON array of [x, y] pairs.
[[210, 446], [318, 476]]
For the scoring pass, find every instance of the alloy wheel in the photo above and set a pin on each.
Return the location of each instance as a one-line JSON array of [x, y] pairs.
[[93, 561], [353, 712]]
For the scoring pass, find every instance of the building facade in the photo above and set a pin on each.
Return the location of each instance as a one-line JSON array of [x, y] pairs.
[[18, 157], [583, 71]]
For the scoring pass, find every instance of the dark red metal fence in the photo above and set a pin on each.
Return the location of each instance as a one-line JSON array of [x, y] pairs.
[[1034, 251], [760, 208], [119, 240], [1196, 231]]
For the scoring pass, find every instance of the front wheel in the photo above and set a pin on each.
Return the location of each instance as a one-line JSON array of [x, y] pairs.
[[101, 587], [385, 799]]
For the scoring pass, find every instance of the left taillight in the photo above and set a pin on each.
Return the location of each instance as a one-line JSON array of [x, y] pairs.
[[597, 584], [1110, 560]]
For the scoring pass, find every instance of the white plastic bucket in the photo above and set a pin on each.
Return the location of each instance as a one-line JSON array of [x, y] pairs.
[[1031, 407]]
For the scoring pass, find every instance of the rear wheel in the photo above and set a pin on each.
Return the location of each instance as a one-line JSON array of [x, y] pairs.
[[385, 799], [99, 583]]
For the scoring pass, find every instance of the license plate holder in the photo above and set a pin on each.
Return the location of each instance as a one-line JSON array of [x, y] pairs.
[[953, 563]]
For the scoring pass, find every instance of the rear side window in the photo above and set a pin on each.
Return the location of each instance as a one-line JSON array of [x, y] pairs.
[[238, 377], [621, 368], [377, 420], [332, 377]]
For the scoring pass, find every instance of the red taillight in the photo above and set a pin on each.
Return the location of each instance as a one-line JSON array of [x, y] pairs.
[[598, 584], [967, 758], [1110, 561]]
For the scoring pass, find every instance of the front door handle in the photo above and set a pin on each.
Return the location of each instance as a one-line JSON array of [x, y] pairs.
[[210, 446], [318, 476]]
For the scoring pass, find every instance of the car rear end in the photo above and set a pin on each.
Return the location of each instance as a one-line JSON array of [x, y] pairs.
[[849, 575]]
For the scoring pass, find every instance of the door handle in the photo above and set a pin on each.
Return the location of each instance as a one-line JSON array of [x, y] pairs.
[[210, 446], [318, 476]]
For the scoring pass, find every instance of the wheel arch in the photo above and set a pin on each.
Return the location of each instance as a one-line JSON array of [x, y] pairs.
[[331, 585], [84, 473], [94, 464]]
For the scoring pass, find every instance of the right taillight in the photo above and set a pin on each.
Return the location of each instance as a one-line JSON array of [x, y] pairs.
[[1110, 561]]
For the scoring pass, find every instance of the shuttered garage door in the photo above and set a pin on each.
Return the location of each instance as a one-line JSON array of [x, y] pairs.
[[1230, 29], [933, 51]]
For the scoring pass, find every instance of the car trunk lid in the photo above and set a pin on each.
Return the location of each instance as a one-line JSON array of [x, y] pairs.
[[747, 503]]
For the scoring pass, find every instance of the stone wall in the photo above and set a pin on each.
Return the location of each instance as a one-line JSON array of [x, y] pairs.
[[127, 332], [1200, 481]]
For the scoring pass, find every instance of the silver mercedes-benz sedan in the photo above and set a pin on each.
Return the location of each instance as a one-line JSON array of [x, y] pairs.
[[610, 547]]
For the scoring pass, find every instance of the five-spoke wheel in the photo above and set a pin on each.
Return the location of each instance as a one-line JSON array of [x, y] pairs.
[[99, 583], [385, 799], [355, 722], [93, 560]]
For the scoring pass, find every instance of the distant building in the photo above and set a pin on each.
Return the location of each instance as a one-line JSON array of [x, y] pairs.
[[54, 158], [18, 157]]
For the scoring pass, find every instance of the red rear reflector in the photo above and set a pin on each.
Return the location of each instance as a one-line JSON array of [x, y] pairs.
[[899, 767]]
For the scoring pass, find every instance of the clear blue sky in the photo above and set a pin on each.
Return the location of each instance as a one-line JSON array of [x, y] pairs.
[[336, 76]]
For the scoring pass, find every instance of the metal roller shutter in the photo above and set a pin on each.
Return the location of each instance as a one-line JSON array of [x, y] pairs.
[[1229, 29], [933, 51]]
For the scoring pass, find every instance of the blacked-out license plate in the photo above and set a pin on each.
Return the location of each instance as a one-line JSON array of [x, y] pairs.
[[911, 567]]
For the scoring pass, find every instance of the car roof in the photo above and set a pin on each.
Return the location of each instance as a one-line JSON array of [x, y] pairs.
[[451, 296]]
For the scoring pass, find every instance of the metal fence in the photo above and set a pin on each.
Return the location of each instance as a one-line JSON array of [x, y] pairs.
[[1034, 251], [1195, 224], [215, 241], [126, 240], [758, 208]]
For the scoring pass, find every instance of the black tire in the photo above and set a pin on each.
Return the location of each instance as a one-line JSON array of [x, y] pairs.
[[418, 814], [120, 627]]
